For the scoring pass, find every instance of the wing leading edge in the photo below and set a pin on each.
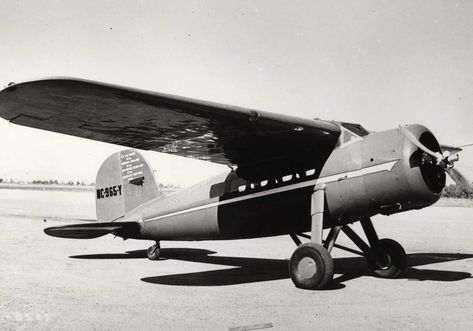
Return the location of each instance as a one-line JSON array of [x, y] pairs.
[[261, 144]]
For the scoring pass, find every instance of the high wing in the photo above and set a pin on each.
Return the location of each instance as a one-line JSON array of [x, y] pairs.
[[262, 144]]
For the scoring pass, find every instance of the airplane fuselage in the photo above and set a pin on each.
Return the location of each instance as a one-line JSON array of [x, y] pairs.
[[381, 173]]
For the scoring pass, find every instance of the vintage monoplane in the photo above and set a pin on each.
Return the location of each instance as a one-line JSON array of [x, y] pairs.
[[288, 175]]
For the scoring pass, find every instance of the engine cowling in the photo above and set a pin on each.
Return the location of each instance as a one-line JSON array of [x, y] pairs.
[[394, 175]]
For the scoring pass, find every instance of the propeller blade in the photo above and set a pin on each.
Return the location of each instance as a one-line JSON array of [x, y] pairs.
[[438, 156], [467, 145], [450, 149], [460, 179]]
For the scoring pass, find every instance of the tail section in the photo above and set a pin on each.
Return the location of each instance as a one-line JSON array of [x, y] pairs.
[[124, 181]]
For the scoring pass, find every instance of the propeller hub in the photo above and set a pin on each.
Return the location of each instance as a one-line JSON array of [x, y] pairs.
[[453, 158], [432, 156]]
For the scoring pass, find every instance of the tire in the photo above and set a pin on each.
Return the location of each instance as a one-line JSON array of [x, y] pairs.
[[153, 253], [311, 267], [397, 260]]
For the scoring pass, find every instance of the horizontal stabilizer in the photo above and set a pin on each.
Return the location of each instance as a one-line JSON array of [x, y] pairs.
[[95, 230]]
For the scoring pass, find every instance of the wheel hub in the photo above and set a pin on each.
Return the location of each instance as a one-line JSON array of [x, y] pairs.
[[387, 265], [307, 267]]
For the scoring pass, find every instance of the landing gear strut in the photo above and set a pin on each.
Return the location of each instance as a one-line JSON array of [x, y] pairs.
[[311, 266], [386, 257], [153, 251]]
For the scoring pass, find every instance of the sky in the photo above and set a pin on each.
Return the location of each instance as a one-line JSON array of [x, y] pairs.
[[378, 63]]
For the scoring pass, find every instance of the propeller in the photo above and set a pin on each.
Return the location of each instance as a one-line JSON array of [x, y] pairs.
[[436, 155], [446, 160], [460, 179]]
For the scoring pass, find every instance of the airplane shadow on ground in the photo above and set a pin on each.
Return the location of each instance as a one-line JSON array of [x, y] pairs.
[[250, 270]]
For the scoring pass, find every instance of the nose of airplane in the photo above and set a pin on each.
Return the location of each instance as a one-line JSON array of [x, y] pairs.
[[413, 182], [423, 174]]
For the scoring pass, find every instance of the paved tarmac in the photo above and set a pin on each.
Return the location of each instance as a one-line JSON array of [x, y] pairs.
[[107, 283]]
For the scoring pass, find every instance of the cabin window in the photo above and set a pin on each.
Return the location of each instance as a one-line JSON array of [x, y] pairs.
[[310, 172], [287, 178], [236, 183], [217, 190]]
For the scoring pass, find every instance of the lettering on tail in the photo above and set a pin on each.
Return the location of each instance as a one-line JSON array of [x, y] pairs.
[[109, 192]]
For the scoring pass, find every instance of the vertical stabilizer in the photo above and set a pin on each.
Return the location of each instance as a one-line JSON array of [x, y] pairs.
[[124, 181]]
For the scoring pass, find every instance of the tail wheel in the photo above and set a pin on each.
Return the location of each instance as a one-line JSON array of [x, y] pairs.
[[153, 252], [311, 266], [397, 260]]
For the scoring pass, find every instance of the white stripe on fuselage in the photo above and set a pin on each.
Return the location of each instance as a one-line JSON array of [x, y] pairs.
[[388, 166]]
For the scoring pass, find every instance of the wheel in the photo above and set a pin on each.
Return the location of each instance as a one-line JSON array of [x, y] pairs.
[[311, 266], [153, 252], [397, 260]]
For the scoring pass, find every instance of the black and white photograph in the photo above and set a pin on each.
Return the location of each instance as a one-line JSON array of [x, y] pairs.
[[236, 165]]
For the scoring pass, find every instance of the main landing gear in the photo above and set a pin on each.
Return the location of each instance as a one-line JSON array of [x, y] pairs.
[[153, 251], [311, 265]]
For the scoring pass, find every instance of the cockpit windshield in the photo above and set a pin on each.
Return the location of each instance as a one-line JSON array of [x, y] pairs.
[[350, 133], [355, 128]]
